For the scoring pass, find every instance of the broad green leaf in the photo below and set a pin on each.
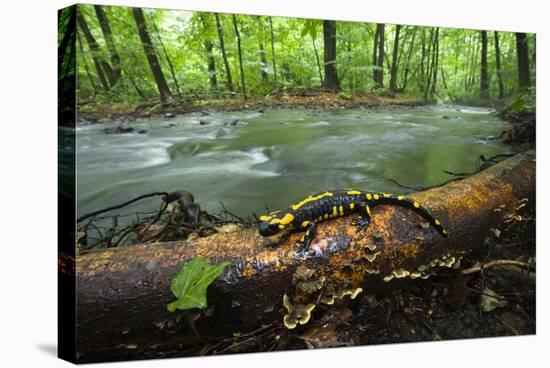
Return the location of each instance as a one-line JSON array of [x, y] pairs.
[[517, 105], [190, 284]]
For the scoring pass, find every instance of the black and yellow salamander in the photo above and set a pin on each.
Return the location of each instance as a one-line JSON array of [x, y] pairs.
[[304, 215]]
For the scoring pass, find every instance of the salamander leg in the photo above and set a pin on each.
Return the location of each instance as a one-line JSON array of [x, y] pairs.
[[362, 222], [311, 229]]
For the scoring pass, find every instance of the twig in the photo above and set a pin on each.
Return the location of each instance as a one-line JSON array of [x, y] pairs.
[[84, 217], [498, 262]]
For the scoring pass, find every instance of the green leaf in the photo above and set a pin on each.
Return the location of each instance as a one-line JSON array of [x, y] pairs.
[[190, 284]]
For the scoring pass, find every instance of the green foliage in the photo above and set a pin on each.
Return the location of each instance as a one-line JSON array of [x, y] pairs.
[[294, 49], [190, 284]]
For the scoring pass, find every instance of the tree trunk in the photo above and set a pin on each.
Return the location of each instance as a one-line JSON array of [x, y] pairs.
[[238, 35], [273, 49], [167, 57], [208, 47], [123, 292], [114, 76], [329, 37], [85, 63], [164, 90], [393, 72], [319, 69], [484, 78], [408, 61], [523, 61], [228, 79], [94, 50], [499, 71], [263, 63], [435, 59], [379, 56]]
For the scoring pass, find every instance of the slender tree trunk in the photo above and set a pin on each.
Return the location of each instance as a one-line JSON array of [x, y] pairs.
[[94, 49], [235, 25], [499, 71], [484, 78], [329, 36], [85, 63], [228, 80], [319, 69], [273, 49], [114, 76], [263, 63], [208, 47], [167, 57], [523, 61], [379, 59], [430, 65], [211, 64], [435, 59], [408, 61], [164, 90], [393, 72], [375, 57]]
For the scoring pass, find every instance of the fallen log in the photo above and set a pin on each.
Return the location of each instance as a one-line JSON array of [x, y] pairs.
[[122, 293]]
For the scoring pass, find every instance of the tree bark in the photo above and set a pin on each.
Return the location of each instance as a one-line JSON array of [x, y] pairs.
[[115, 74], [123, 292], [379, 56], [484, 78], [239, 50], [499, 71], [167, 57], [228, 79], [319, 69], [408, 62], [273, 49], [164, 90], [393, 71], [208, 47], [329, 36], [85, 63], [94, 50], [523, 61]]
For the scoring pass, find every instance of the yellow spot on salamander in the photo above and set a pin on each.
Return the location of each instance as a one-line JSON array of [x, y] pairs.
[[437, 222], [341, 208], [416, 204], [281, 227], [354, 192], [368, 210], [325, 216], [311, 199], [386, 195], [376, 197], [264, 218], [400, 197], [334, 211], [305, 223], [287, 219], [351, 206], [369, 196], [320, 218]]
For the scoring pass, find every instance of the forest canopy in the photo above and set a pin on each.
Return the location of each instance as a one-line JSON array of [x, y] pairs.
[[131, 55]]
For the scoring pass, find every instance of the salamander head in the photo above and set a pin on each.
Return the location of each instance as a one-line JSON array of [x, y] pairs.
[[275, 222]]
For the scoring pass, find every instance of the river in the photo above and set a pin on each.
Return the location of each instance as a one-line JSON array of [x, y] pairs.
[[273, 158]]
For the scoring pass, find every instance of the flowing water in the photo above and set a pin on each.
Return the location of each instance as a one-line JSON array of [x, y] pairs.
[[279, 156]]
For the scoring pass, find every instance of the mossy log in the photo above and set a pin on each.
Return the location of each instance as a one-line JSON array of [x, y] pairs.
[[122, 293]]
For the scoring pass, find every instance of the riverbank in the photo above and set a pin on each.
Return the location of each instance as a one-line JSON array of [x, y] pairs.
[[310, 98]]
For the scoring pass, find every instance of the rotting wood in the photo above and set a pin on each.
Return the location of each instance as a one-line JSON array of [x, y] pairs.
[[123, 292]]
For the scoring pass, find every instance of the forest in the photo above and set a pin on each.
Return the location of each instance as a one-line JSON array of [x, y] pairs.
[[129, 56]]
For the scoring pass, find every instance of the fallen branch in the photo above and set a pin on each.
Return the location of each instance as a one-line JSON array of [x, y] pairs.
[[497, 262], [123, 292], [118, 206]]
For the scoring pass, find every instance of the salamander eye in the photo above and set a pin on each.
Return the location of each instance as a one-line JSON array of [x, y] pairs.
[[267, 229]]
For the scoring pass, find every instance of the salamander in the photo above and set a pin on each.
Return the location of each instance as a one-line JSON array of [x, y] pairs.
[[306, 214]]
